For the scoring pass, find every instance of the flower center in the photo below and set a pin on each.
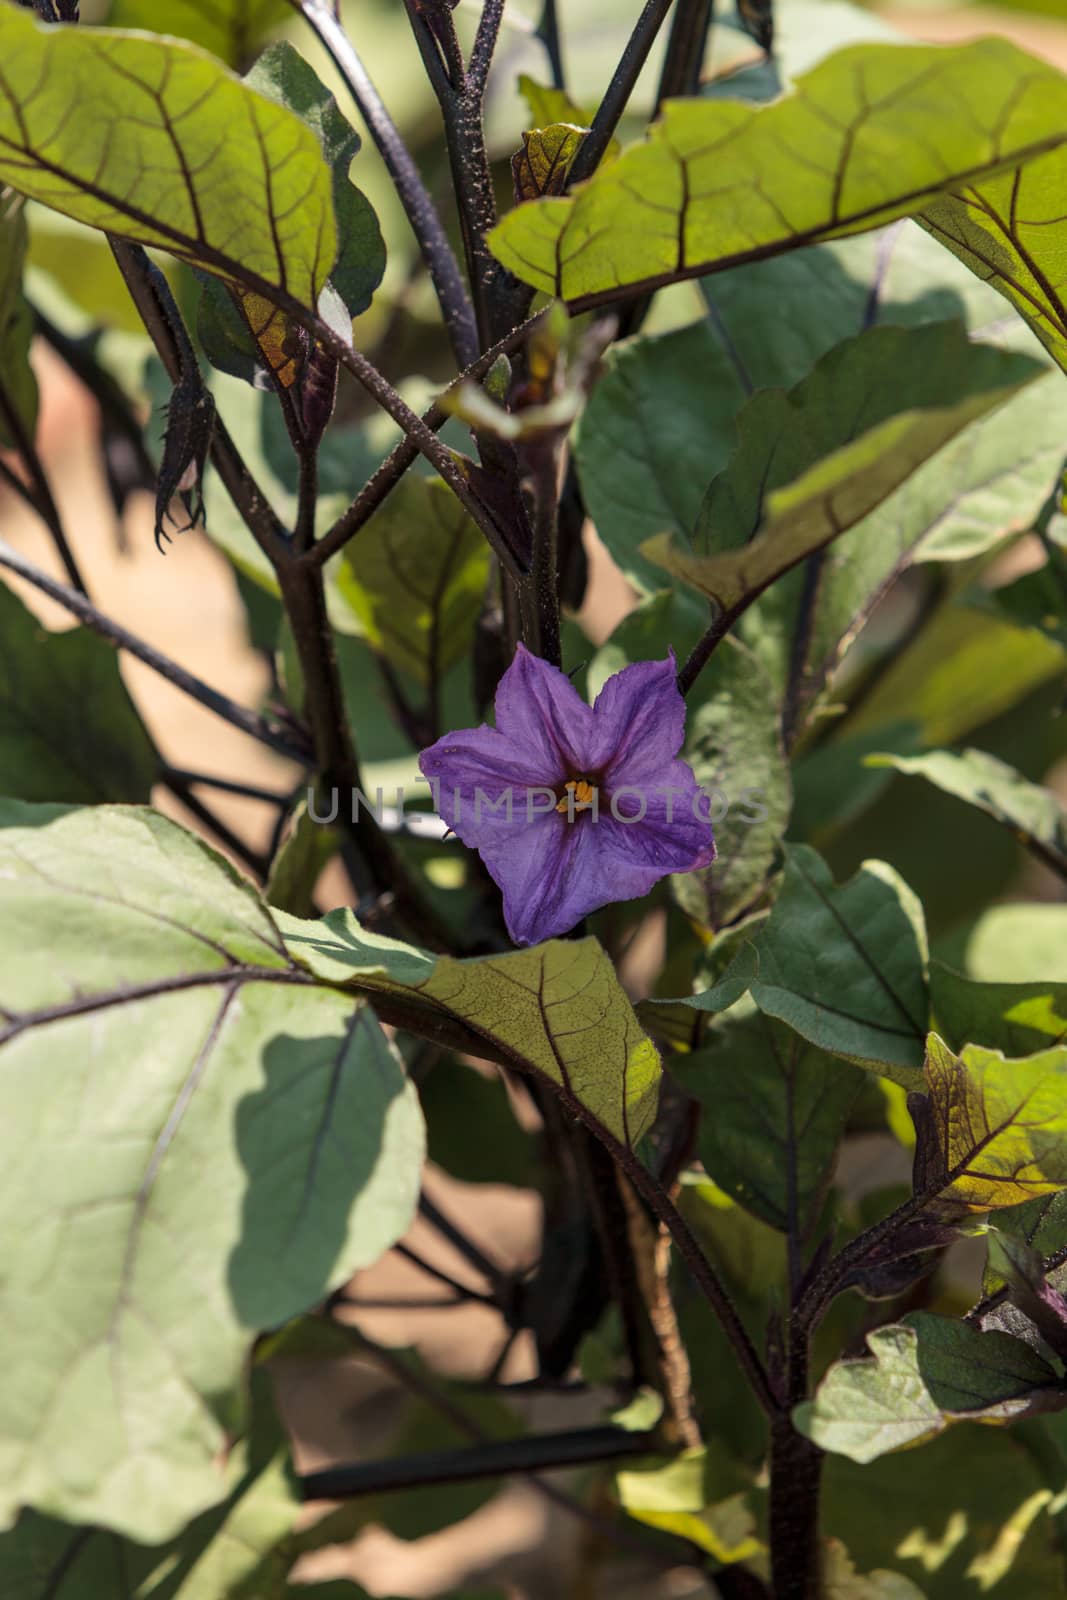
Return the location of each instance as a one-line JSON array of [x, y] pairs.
[[579, 795]]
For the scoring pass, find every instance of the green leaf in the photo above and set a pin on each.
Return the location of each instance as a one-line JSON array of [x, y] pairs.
[[657, 427], [1017, 1018], [284, 77], [546, 157], [922, 1375], [701, 1496], [734, 746], [416, 577], [867, 136], [813, 462], [963, 1517], [18, 386], [965, 668], [845, 965], [774, 1109], [229, 28], [841, 1581], [68, 728], [1031, 811], [242, 1549], [997, 1126], [1010, 229], [207, 1143], [158, 142], [556, 1009], [1041, 1224], [681, 1021]]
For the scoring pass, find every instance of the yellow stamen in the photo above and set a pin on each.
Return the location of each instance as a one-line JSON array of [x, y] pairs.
[[579, 797]]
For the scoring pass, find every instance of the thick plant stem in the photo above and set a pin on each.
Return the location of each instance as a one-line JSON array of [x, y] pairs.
[[539, 589], [421, 212], [796, 1470]]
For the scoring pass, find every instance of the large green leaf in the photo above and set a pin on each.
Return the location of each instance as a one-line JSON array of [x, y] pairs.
[[201, 1142], [996, 1127], [156, 141], [964, 1517], [230, 28], [556, 1009], [1031, 811], [18, 386], [242, 1549], [811, 463], [868, 135], [415, 578], [922, 1375], [68, 729], [774, 1109], [1017, 1018], [845, 965], [656, 430]]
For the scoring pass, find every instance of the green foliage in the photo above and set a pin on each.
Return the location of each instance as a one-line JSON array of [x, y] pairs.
[[415, 579], [863, 995], [922, 1375], [813, 462], [68, 729], [556, 1010], [221, 1138], [996, 1126], [161, 144], [718, 183]]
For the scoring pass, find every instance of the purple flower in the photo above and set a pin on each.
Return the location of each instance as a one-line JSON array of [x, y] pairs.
[[572, 806]]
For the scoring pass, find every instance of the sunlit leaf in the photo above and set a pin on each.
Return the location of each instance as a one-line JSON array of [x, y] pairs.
[[997, 1125], [415, 578], [701, 1496], [868, 135], [546, 157], [812, 463], [556, 1009], [1031, 811], [68, 729], [216, 1141], [844, 965], [1017, 1018], [156, 141], [921, 1376], [1011, 230]]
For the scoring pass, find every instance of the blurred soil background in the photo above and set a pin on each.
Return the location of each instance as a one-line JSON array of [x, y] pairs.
[[518, 1541]]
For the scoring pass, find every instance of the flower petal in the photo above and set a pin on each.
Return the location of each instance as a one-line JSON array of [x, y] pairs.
[[540, 710], [475, 770], [659, 829], [639, 718]]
